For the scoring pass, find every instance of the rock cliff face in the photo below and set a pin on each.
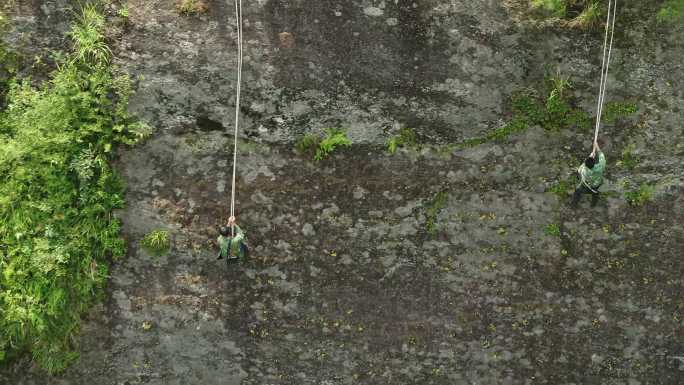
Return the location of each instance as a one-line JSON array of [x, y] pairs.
[[344, 284]]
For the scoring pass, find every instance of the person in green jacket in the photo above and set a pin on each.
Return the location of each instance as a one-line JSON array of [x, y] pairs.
[[232, 244], [591, 176]]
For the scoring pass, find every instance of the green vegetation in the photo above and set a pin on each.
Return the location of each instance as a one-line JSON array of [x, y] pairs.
[[613, 111], [405, 138], [157, 242], [191, 7], [57, 193], [556, 8], [641, 195], [307, 143], [8, 61], [671, 12], [629, 160], [591, 17], [123, 13], [553, 230], [553, 113], [437, 203], [561, 188], [322, 147], [334, 138], [589, 14]]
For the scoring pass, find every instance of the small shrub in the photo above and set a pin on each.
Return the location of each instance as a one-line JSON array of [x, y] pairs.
[[157, 242], [641, 195], [191, 7], [553, 230], [671, 12], [589, 18], [437, 203], [405, 138], [123, 12], [561, 188], [307, 143], [556, 8], [334, 138], [613, 111], [629, 159]]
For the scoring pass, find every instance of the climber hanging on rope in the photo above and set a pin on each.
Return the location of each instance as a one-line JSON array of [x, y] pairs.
[[591, 176], [591, 171], [231, 241]]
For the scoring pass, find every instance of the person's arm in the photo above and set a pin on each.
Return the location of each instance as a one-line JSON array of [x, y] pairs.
[[601, 159], [239, 234]]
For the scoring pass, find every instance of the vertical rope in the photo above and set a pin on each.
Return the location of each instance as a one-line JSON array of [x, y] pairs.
[[605, 65], [238, 15]]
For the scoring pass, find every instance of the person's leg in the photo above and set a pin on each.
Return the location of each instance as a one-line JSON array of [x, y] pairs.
[[594, 198], [581, 189]]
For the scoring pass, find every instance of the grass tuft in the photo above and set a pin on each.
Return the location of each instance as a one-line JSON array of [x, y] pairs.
[[157, 242]]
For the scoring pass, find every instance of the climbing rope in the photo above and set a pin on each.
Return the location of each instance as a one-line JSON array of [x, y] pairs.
[[607, 50], [238, 14]]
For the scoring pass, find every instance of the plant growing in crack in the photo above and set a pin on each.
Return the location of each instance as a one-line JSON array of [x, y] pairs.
[[437, 203], [157, 242], [405, 138]]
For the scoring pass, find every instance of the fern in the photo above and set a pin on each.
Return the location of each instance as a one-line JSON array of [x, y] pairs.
[[333, 139], [57, 194]]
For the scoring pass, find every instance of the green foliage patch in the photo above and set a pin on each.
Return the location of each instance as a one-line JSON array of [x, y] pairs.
[[553, 113], [157, 242], [405, 138], [191, 7], [553, 230], [437, 203], [641, 195], [57, 193], [561, 188], [322, 147], [629, 159], [613, 111], [671, 12]]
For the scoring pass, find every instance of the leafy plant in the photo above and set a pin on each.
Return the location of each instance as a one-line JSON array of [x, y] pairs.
[[556, 8], [190, 7], [437, 203], [629, 159], [57, 193], [590, 17], [334, 138], [88, 39], [553, 230], [671, 12], [641, 195], [612, 111], [157, 242], [561, 188], [405, 138], [123, 13], [307, 143]]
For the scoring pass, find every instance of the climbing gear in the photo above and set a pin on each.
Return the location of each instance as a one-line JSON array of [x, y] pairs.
[[610, 22], [238, 14]]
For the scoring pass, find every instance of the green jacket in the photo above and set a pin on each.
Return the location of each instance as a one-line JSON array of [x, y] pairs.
[[593, 177], [232, 246]]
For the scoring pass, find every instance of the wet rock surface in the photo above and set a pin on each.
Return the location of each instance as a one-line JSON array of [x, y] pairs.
[[344, 283]]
